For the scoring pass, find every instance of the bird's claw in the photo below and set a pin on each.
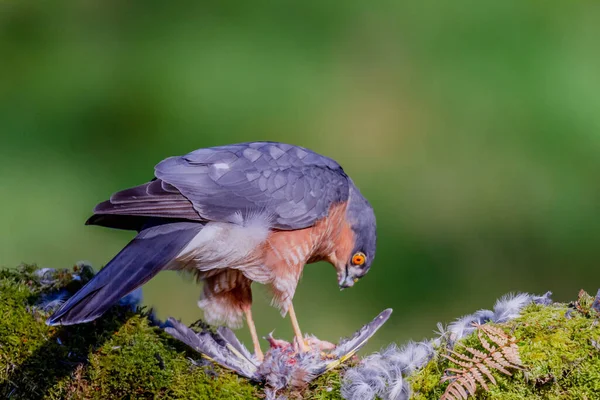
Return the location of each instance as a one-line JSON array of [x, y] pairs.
[[260, 357], [309, 344], [302, 346], [317, 344]]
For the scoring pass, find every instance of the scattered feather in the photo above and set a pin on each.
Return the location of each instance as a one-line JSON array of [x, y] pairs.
[[52, 301], [509, 306], [596, 303], [382, 374], [462, 327], [82, 272], [544, 300], [132, 300], [46, 276]]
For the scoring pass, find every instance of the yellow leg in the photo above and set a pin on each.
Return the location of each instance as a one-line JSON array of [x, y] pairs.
[[299, 337], [257, 351]]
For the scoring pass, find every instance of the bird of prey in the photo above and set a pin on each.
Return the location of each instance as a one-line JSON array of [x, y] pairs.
[[233, 215]]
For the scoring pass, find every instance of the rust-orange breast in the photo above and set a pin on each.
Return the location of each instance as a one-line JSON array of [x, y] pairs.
[[330, 239]]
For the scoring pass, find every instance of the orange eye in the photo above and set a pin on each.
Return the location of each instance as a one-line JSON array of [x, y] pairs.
[[359, 259]]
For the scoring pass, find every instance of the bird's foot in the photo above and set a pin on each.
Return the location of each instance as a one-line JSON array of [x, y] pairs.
[[317, 344], [301, 346], [322, 346], [309, 344], [328, 356]]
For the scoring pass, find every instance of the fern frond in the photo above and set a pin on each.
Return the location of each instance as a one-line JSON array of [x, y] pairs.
[[511, 353], [486, 345], [500, 354], [479, 377], [466, 360], [475, 352], [496, 365], [496, 334], [458, 362], [470, 383]]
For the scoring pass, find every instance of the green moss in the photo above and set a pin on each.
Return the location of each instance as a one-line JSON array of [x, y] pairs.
[[325, 387], [117, 356], [558, 352], [194, 383], [120, 355]]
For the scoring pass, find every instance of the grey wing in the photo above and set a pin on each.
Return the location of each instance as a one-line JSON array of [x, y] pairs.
[[132, 208], [294, 185]]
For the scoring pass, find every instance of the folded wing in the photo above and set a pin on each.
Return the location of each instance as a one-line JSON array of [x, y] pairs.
[[291, 184], [294, 186]]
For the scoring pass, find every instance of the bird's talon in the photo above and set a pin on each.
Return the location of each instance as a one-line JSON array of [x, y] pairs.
[[304, 348]]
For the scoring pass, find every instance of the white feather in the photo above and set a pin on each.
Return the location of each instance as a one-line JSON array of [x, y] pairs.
[[222, 166], [222, 244], [509, 306]]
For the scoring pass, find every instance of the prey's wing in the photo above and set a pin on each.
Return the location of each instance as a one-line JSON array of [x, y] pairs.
[[348, 347], [293, 185], [214, 348]]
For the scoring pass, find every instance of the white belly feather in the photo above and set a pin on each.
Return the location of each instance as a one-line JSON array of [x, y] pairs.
[[227, 245]]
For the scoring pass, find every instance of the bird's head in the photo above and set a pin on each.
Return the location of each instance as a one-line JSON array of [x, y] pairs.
[[361, 217]]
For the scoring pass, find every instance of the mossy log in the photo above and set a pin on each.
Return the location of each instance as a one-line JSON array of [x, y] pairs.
[[559, 349], [123, 354]]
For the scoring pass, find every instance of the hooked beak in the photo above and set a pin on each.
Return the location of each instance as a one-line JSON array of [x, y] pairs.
[[345, 280]]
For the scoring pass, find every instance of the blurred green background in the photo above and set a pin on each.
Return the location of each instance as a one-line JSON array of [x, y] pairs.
[[473, 129]]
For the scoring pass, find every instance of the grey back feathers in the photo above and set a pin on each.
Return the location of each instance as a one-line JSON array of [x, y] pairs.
[[294, 185]]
